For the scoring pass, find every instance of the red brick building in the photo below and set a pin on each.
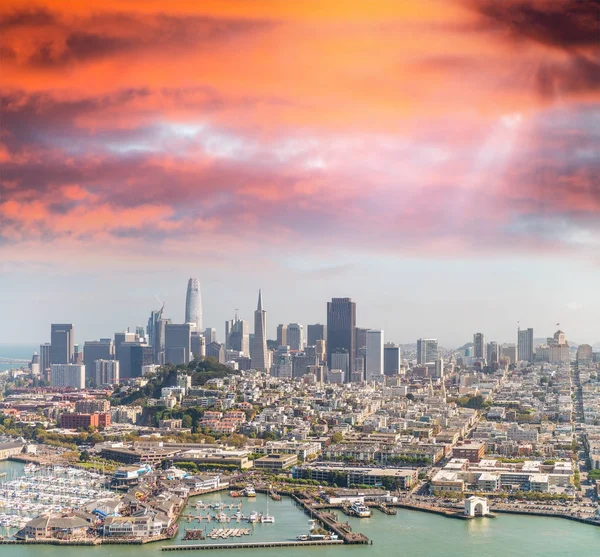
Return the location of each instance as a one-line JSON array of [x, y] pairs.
[[78, 420], [472, 451]]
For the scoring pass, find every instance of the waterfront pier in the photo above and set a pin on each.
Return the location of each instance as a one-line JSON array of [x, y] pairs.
[[249, 545]]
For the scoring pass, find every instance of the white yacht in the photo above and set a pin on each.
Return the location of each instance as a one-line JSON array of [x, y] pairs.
[[360, 510]]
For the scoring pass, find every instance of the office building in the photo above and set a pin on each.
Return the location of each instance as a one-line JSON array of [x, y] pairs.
[[259, 355], [341, 325], [158, 345], [178, 338], [301, 362], [295, 336], [237, 335], [210, 335], [96, 350], [391, 359], [525, 345], [155, 316], [439, 369], [193, 305], [283, 363], [341, 361], [217, 351], [45, 360], [358, 375], [584, 353], [360, 338], [67, 376], [321, 351], [314, 333], [427, 350], [121, 338], [62, 343], [492, 352], [34, 365], [106, 372], [509, 352], [479, 346], [77, 355], [374, 359], [281, 335]]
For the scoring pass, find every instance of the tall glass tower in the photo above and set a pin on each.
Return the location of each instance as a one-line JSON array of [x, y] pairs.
[[193, 304], [259, 356]]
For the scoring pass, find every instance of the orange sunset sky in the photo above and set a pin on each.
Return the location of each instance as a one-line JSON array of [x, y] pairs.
[[425, 156]]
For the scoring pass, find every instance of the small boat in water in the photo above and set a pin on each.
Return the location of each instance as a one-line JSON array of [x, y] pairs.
[[253, 518]]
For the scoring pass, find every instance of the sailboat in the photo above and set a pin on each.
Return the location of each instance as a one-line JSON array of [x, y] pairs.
[[267, 518]]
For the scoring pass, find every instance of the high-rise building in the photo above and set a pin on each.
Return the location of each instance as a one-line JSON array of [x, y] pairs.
[[427, 350], [492, 352], [215, 350], [358, 375], [151, 328], [121, 338], [341, 360], [525, 344], [106, 372], [295, 336], [96, 350], [178, 338], [360, 338], [315, 332], [321, 351], [479, 346], [281, 335], [45, 359], [341, 323], [210, 335], [260, 357], [374, 360], [237, 335], [158, 345], [67, 375], [391, 359], [283, 365], [62, 343], [439, 368], [193, 304], [301, 362]]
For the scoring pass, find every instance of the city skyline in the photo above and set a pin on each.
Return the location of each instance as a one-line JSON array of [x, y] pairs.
[[428, 159], [83, 328]]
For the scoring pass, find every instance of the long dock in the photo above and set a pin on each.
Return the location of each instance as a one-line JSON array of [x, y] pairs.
[[248, 545]]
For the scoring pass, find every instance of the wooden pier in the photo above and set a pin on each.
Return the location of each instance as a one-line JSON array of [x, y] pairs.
[[249, 545]]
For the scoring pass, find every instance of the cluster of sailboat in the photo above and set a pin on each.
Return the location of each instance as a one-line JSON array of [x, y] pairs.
[[49, 489]]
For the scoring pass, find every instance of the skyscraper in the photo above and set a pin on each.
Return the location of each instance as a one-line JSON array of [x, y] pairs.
[[391, 359], [315, 332], [96, 350], [360, 338], [178, 339], [341, 360], [492, 352], [525, 344], [44, 359], [341, 322], [479, 345], [67, 375], [281, 335], [62, 343], [427, 350], [237, 335], [374, 360], [193, 304], [295, 336], [106, 372], [259, 356]]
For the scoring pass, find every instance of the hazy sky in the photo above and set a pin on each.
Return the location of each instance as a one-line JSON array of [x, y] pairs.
[[437, 161]]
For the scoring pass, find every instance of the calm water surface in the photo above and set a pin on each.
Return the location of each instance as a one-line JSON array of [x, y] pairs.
[[409, 533]]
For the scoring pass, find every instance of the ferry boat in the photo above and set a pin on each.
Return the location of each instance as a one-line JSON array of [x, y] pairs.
[[250, 491], [360, 510]]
